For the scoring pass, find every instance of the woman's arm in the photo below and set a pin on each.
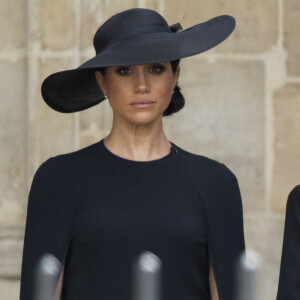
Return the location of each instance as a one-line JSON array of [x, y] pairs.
[[289, 279], [212, 285], [221, 201], [49, 222], [59, 285], [224, 226]]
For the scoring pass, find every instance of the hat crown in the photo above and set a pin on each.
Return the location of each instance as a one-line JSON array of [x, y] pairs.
[[129, 23]]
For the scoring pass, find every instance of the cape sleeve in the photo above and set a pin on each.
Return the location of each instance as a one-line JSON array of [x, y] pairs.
[[48, 224], [289, 279], [225, 230]]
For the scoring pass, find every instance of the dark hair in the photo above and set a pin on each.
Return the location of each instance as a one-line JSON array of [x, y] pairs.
[[177, 101]]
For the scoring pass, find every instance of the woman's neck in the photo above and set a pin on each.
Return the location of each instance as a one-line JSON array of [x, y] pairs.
[[140, 142]]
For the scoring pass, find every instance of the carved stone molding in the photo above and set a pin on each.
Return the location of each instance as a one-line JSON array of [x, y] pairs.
[[11, 247]]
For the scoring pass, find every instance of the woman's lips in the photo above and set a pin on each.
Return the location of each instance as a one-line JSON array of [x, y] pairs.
[[142, 103]]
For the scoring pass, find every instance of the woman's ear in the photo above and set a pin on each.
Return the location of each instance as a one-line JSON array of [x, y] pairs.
[[176, 76], [100, 79]]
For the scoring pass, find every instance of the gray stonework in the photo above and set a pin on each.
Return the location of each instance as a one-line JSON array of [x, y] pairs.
[[11, 246], [264, 234], [292, 36], [286, 168], [224, 120], [9, 289], [13, 141], [13, 24], [256, 21], [92, 16], [94, 13], [242, 108], [60, 35]]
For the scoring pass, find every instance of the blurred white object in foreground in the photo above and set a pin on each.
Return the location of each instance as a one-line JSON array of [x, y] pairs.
[[46, 277], [147, 277], [247, 275]]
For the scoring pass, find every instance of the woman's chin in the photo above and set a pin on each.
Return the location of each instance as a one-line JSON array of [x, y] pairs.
[[144, 117]]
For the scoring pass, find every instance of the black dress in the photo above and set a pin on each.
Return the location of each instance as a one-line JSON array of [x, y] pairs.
[[289, 279], [96, 212]]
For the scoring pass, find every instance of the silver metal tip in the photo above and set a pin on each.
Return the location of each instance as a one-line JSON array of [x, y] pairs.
[[50, 264], [149, 262], [251, 260]]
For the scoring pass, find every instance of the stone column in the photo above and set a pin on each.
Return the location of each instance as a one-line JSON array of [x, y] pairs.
[[13, 149]]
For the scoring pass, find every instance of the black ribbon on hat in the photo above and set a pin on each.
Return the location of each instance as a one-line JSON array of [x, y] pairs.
[[176, 27]]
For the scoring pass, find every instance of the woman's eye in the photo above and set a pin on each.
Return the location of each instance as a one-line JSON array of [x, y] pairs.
[[123, 71], [157, 69]]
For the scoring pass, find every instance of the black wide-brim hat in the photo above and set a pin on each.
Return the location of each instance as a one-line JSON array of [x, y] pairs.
[[133, 37]]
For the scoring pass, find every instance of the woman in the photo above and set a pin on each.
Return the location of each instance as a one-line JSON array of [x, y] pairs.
[[289, 279], [98, 208]]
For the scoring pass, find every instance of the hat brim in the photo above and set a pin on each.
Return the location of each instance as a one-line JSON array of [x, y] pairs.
[[76, 90]]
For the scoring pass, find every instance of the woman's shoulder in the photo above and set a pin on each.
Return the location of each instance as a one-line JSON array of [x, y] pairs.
[[295, 193], [202, 164], [69, 162], [216, 183], [293, 201]]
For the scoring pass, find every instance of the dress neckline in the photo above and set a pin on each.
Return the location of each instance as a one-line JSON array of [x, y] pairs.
[[111, 155]]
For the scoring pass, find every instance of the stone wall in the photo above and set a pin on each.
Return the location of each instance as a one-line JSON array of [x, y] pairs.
[[242, 108]]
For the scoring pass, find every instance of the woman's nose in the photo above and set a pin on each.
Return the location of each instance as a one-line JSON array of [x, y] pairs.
[[141, 82]]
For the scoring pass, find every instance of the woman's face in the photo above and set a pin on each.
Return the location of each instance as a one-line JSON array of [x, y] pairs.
[[139, 94]]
